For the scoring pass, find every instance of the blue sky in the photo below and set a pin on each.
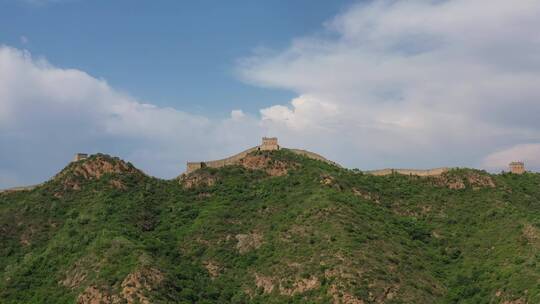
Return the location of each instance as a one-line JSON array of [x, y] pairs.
[[368, 84], [172, 53]]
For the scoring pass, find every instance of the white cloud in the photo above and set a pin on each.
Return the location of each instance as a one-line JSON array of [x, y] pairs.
[[528, 153], [412, 83], [48, 113], [237, 115], [303, 107], [385, 84]]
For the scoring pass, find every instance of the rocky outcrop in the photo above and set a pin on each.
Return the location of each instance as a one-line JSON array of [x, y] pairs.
[[269, 284], [94, 168], [197, 179], [461, 180], [95, 295], [137, 284], [253, 161], [134, 289], [266, 163], [248, 242]]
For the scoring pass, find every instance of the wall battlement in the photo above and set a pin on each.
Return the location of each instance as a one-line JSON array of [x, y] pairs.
[[268, 144], [428, 172]]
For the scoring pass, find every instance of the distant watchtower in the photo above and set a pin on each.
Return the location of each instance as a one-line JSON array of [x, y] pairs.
[[80, 156], [269, 144], [517, 167]]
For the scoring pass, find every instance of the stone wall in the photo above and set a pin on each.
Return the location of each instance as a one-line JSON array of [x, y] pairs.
[[192, 166], [313, 156], [269, 144], [23, 188], [80, 156], [428, 172]]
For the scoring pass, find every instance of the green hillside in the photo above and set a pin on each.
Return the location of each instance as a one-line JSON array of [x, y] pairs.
[[277, 228]]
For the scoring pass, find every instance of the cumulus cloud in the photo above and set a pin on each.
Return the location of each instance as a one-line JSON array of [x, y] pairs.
[[385, 84], [48, 113], [412, 83], [237, 114]]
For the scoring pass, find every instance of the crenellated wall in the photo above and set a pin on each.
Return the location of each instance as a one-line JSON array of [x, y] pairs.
[[192, 166], [268, 144], [271, 143], [428, 172], [313, 156]]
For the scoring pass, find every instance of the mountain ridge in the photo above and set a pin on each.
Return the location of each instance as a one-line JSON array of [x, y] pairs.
[[313, 233]]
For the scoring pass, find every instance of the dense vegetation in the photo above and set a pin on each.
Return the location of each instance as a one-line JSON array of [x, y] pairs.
[[285, 230]]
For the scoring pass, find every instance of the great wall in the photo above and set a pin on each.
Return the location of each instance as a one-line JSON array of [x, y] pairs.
[[416, 172], [268, 144], [271, 144]]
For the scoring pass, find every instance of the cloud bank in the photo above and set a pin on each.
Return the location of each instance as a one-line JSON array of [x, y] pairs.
[[413, 83], [48, 113], [385, 84]]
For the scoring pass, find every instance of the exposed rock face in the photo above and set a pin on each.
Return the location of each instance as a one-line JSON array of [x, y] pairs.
[[340, 297], [98, 165], [269, 284], [136, 284], [118, 184], [74, 278], [475, 180], [532, 234], [212, 268], [264, 282], [518, 301], [133, 289], [300, 286], [265, 162], [253, 161], [247, 242], [327, 180], [94, 295], [366, 195], [94, 168], [197, 179]]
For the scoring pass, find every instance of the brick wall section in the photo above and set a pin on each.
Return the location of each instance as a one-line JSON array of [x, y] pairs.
[[428, 172], [271, 143], [192, 166], [313, 156]]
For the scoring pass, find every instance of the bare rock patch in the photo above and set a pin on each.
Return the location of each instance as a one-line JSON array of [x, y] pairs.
[[248, 242]]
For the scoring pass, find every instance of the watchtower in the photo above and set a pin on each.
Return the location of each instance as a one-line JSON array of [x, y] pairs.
[[269, 144], [80, 156], [517, 167]]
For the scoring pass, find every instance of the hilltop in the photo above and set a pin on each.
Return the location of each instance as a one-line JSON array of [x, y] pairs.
[[275, 227]]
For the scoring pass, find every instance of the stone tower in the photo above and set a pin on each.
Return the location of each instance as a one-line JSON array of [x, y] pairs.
[[269, 144], [517, 167], [80, 156]]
